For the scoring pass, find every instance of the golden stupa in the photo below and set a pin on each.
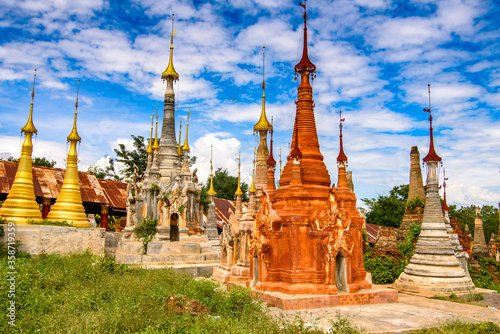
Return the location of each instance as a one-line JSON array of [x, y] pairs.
[[20, 205], [69, 204]]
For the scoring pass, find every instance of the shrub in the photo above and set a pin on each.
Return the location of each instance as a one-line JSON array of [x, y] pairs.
[[146, 231], [414, 203]]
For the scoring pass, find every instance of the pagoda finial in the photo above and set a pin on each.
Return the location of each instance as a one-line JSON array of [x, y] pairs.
[[252, 188], [74, 133], [271, 161], [211, 191], [445, 205], [156, 145], [150, 149], [281, 162], [432, 155], [170, 71], [342, 156], [179, 149], [185, 147], [239, 192], [30, 127], [305, 65], [263, 123]]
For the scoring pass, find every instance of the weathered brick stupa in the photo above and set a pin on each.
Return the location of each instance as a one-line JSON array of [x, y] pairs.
[[170, 193], [434, 268], [413, 214], [20, 205], [307, 237], [479, 248]]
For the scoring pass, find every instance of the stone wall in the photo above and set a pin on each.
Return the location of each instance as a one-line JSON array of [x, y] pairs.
[[36, 239], [386, 242]]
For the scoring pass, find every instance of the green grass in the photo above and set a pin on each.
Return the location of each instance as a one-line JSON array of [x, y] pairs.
[[465, 299], [458, 327], [88, 294]]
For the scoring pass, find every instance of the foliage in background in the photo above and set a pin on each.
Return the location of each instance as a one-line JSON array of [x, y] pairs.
[[384, 269], [415, 202], [88, 294], [204, 198], [107, 172], [387, 210], [482, 277], [407, 248], [137, 156], [146, 231], [467, 215], [44, 162], [225, 185]]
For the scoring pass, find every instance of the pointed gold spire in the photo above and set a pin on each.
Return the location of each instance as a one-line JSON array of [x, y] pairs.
[[156, 145], [211, 191], [150, 146], [179, 149], [21, 205], [239, 192], [74, 133], [252, 189], [170, 71], [263, 123], [69, 204], [30, 127], [185, 147]]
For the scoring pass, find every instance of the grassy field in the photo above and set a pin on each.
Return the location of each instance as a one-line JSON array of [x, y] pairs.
[[88, 294]]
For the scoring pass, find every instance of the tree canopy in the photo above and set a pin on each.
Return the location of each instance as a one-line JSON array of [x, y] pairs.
[[387, 210], [37, 161], [137, 157], [225, 185], [107, 172], [467, 215]]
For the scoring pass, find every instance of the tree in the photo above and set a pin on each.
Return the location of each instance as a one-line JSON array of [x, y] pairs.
[[37, 161], [225, 185], [387, 210], [467, 214], [107, 172], [136, 157]]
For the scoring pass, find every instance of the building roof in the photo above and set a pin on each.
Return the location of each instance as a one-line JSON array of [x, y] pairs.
[[222, 207], [48, 181], [372, 232]]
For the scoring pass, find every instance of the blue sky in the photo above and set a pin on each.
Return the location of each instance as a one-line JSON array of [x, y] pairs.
[[374, 59]]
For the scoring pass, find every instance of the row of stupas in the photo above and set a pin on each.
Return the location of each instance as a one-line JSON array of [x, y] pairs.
[[21, 207]]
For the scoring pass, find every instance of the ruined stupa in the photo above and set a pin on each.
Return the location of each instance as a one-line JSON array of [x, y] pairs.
[[416, 192], [307, 238], [170, 193], [479, 248], [434, 268]]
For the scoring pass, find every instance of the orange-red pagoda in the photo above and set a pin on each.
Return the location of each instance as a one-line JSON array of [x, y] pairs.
[[307, 236]]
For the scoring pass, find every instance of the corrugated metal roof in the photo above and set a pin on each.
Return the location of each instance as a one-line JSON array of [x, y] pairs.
[[372, 231], [222, 207], [48, 181]]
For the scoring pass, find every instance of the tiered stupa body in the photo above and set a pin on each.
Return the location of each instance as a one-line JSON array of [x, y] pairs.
[[479, 248], [20, 205], [169, 193], [434, 268], [304, 240], [69, 204]]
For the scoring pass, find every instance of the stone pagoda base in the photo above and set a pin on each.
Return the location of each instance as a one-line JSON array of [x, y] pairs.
[[195, 254], [308, 301]]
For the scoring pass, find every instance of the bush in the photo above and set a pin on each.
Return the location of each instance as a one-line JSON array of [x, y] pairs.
[[146, 231], [384, 269], [414, 203]]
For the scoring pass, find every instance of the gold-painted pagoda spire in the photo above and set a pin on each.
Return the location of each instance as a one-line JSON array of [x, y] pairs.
[[179, 149], [150, 145], [239, 192], [20, 205], [156, 145], [170, 71], [69, 204], [263, 123], [211, 192], [252, 189], [185, 147]]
